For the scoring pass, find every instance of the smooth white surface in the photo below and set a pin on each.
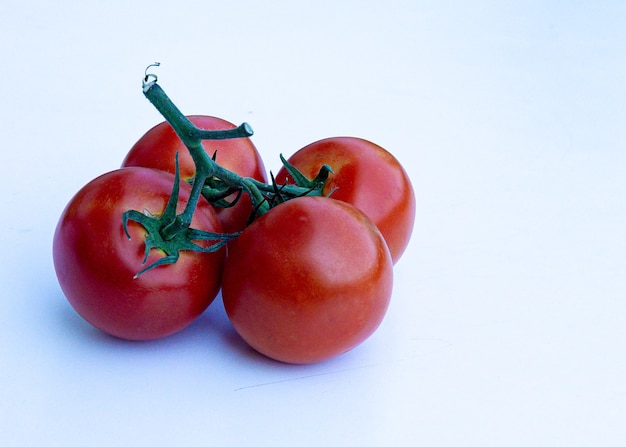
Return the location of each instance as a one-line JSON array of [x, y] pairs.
[[508, 321]]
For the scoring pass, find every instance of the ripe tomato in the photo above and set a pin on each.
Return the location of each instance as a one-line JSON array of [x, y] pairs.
[[368, 177], [157, 148], [308, 280], [95, 262]]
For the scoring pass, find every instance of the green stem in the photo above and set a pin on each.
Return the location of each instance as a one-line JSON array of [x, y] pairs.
[[262, 205], [190, 135], [207, 168], [171, 232], [194, 196]]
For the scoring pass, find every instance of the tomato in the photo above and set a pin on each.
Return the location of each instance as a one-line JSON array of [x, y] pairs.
[[368, 177], [157, 148], [95, 261], [308, 280]]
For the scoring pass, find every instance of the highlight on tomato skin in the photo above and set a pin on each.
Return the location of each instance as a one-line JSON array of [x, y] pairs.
[[96, 263], [308, 281], [366, 176], [158, 147]]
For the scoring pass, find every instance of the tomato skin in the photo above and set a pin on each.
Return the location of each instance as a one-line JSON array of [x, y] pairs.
[[368, 177], [307, 281], [95, 261], [157, 149]]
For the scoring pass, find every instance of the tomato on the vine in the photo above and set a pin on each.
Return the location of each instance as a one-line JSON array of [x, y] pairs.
[[368, 177], [140, 254], [157, 149], [96, 263], [307, 281]]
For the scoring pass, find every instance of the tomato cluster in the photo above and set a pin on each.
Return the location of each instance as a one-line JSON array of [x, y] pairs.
[[302, 282]]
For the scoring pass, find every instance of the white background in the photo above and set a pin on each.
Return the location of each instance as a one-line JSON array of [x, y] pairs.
[[507, 325]]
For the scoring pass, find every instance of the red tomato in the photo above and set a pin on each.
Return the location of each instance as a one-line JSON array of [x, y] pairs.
[[368, 177], [308, 280], [157, 148], [95, 262]]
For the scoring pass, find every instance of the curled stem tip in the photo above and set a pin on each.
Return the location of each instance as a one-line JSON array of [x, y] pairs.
[[149, 78]]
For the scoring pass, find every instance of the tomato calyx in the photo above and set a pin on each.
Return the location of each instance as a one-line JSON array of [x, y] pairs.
[[315, 185], [171, 232]]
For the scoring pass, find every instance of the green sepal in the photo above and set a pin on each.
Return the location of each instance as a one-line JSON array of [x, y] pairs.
[[168, 234], [316, 185], [184, 239], [217, 196]]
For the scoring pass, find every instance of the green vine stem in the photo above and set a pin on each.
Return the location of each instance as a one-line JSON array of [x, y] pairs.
[[172, 233], [261, 194]]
